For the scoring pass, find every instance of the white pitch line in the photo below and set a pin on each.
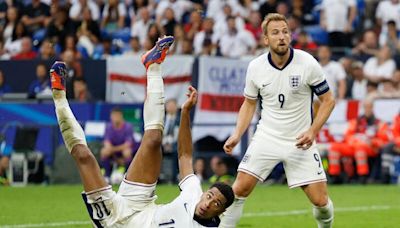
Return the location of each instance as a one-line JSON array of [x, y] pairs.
[[53, 224], [301, 212], [248, 215]]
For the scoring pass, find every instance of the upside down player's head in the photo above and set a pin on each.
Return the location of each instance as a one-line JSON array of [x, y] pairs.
[[276, 33], [214, 201]]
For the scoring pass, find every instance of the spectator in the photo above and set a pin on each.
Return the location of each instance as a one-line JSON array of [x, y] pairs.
[[236, 42], [254, 25], [346, 62], [74, 71], [5, 5], [269, 6], [386, 11], [153, 34], [135, 8], [113, 17], [60, 27], [108, 49], [388, 89], [4, 87], [220, 171], [167, 23], [372, 91], [335, 75], [118, 144], [14, 46], [88, 32], [135, 48], [179, 35], [47, 51], [380, 67], [337, 19], [283, 8], [36, 16], [194, 25], [5, 153], [76, 10], [199, 168], [242, 8], [208, 34], [10, 23], [180, 7], [41, 85], [302, 9], [304, 43], [208, 48], [294, 24], [81, 92], [363, 139], [70, 45], [187, 47], [221, 22], [358, 84], [392, 39], [141, 26], [367, 47], [26, 52]]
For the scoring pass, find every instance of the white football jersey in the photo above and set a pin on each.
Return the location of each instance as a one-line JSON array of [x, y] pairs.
[[286, 94], [180, 212]]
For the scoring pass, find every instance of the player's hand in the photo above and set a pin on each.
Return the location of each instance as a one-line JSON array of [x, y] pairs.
[[305, 140], [191, 100], [230, 143]]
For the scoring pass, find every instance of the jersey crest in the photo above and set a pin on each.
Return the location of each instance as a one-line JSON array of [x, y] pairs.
[[294, 81]]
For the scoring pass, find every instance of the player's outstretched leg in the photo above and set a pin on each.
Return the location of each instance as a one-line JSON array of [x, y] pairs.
[[72, 132], [145, 167]]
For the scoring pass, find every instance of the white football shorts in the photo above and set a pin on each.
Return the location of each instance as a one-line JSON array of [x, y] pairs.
[[132, 206], [302, 167]]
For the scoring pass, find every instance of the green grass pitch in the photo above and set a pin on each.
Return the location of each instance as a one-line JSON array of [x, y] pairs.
[[268, 206]]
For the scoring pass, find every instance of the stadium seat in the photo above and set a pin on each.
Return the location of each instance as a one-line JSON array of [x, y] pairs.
[[317, 34]]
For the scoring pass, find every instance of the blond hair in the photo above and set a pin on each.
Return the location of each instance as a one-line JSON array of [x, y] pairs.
[[272, 17]]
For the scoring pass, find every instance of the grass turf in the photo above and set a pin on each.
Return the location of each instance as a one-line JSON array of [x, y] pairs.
[[268, 206]]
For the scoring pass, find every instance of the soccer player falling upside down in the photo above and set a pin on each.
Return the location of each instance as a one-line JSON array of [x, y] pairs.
[[133, 205], [285, 79]]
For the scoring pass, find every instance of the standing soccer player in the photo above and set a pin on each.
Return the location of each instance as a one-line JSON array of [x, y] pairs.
[[133, 205], [285, 79]]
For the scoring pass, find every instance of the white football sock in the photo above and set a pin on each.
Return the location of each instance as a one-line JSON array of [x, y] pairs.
[[324, 215], [231, 216], [70, 129], [154, 110]]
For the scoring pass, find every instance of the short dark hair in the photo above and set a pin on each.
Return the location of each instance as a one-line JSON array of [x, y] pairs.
[[225, 190], [116, 109], [391, 22]]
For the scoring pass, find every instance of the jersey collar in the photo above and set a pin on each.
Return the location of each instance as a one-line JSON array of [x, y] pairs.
[[287, 63]]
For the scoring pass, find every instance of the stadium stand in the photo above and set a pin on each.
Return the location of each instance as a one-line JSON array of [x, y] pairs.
[[102, 40]]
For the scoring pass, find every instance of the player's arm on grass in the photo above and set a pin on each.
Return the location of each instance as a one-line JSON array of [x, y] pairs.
[[245, 115], [185, 146]]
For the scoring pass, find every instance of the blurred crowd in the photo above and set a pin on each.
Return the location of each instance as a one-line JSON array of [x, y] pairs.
[[356, 41]]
